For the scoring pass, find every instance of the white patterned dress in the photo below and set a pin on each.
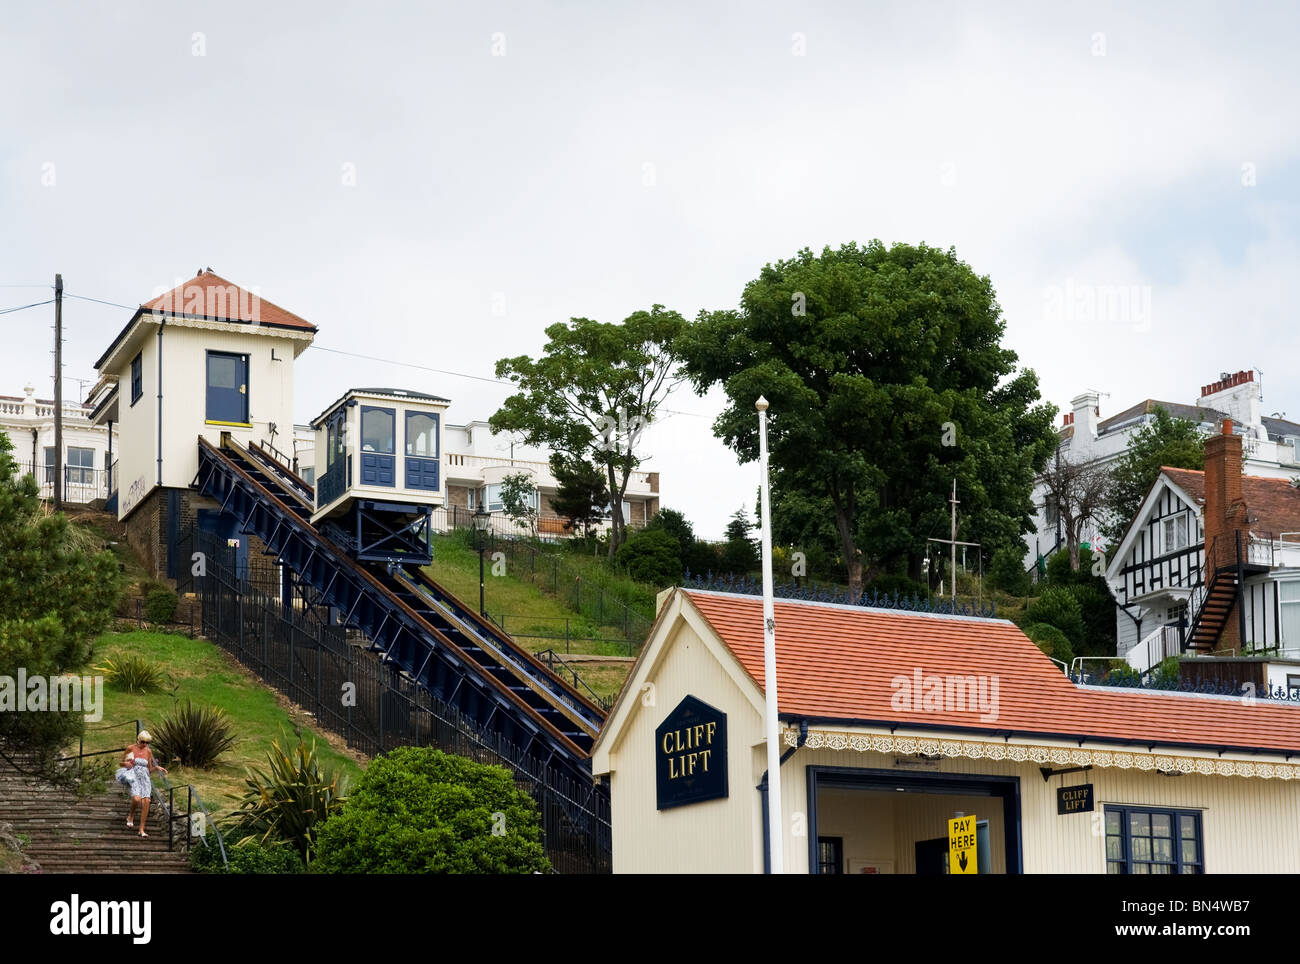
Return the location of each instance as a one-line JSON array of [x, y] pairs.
[[141, 785]]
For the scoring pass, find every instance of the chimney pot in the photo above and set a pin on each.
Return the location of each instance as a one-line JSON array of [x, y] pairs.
[[1227, 426]]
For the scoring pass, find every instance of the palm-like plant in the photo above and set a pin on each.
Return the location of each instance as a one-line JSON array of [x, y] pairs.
[[291, 801]]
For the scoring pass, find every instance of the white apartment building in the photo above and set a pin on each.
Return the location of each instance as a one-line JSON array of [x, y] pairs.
[[1271, 444], [89, 450]]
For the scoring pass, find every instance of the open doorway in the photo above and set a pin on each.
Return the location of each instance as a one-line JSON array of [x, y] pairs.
[[886, 822]]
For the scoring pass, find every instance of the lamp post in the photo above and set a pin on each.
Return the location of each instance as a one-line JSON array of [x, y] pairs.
[[482, 519]]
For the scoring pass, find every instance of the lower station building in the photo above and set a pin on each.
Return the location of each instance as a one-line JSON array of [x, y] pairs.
[[896, 723]]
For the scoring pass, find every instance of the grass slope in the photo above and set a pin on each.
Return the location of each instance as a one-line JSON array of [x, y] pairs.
[[198, 669]]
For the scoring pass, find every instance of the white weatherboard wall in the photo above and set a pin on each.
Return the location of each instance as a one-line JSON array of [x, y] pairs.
[[1249, 824], [184, 402]]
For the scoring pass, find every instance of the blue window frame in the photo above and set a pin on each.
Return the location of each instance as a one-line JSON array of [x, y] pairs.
[[421, 461], [227, 388], [137, 377], [378, 446], [1153, 840]]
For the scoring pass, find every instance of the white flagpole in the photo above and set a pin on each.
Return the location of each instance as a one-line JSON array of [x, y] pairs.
[[774, 835]]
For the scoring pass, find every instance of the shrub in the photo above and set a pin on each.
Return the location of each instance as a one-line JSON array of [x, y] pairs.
[[419, 810], [1051, 641], [132, 673], [1059, 572], [1097, 610], [1058, 607], [245, 856], [891, 583], [1007, 572], [160, 605], [194, 735], [291, 802], [652, 556]]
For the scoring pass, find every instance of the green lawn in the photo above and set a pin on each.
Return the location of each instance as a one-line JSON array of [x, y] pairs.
[[198, 669]]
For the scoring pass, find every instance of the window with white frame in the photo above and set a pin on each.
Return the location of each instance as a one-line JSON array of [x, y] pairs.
[[81, 466], [494, 503], [1175, 532], [1288, 597]]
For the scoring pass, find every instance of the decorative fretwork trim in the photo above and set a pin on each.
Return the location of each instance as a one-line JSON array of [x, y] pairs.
[[1204, 764]]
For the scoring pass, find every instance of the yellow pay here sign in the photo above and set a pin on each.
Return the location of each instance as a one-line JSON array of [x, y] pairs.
[[962, 858]]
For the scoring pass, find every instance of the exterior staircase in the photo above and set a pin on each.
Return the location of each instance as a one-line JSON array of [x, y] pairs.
[[64, 834], [1215, 606]]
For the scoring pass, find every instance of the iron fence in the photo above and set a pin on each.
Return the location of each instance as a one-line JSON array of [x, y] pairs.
[[294, 646]]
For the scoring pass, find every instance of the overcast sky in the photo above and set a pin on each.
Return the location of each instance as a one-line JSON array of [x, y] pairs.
[[437, 183]]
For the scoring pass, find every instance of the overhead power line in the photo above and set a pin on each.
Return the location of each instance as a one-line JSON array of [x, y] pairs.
[[35, 304]]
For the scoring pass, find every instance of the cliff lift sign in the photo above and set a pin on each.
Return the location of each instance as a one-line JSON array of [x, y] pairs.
[[962, 855], [691, 754]]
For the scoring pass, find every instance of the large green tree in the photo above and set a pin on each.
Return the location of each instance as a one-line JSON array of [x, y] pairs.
[[887, 378], [581, 493], [594, 390], [58, 590], [1165, 440]]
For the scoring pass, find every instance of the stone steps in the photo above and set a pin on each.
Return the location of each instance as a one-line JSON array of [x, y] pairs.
[[65, 834]]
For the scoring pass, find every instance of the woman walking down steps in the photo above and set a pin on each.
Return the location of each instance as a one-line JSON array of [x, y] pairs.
[[139, 763]]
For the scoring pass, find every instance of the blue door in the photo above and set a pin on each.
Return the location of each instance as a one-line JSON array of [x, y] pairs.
[[227, 388]]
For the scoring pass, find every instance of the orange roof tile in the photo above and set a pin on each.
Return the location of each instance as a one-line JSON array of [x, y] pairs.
[[210, 296], [840, 663]]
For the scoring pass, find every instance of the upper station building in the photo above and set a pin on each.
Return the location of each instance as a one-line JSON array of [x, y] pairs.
[[204, 358]]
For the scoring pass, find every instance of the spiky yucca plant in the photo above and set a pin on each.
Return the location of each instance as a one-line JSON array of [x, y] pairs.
[[132, 673], [291, 801], [194, 735]]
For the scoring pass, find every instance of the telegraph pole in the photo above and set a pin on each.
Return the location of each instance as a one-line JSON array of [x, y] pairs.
[[954, 543], [58, 392]]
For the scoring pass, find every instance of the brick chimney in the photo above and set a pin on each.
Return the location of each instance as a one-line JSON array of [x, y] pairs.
[[1224, 511]]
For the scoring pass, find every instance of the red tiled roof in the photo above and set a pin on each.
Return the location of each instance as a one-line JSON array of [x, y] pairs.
[[210, 296], [1272, 505], [839, 663]]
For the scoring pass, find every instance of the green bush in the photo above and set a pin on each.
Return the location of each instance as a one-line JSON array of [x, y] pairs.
[[652, 556], [1051, 641], [1058, 607], [1097, 609], [290, 803], [1007, 572], [160, 605], [1059, 572], [419, 810], [246, 856], [194, 735], [132, 673]]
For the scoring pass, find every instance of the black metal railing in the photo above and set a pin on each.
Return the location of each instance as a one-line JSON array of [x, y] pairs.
[[292, 646], [81, 484], [873, 599]]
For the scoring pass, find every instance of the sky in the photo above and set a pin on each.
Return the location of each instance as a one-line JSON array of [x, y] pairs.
[[435, 184]]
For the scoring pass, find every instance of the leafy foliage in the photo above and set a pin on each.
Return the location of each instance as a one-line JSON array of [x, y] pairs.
[[1058, 607], [1051, 641], [581, 494], [1007, 572], [132, 673], [739, 555], [56, 595], [593, 391], [886, 379], [194, 735], [652, 556], [247, 855], [1164, 440], [291, 802], [419, 810], [160, 605], [518, 493]]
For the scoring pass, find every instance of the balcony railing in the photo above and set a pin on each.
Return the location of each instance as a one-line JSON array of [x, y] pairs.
[[80, 485]]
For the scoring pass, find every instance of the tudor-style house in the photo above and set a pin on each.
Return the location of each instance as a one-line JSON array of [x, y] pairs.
[[1271, 444], [1211, 562]]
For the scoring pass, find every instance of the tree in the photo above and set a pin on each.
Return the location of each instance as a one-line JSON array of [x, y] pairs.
[[594, 390], [419, 810], [740, 555], [582, 495], [519, 497], [1079, 491], [652, 556], [886, 380], [1165, 440], [57, 592]]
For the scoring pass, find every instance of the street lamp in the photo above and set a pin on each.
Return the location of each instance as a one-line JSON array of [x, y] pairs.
[[482, 519]]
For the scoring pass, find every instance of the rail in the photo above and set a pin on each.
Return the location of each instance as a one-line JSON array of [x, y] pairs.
[[551, 657], [1155, 648]]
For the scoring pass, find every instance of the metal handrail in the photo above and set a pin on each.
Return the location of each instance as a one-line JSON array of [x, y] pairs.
[[550, 656]]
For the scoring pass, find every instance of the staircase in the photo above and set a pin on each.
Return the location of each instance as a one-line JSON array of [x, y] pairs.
[[1215, 604], [67, 835]]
